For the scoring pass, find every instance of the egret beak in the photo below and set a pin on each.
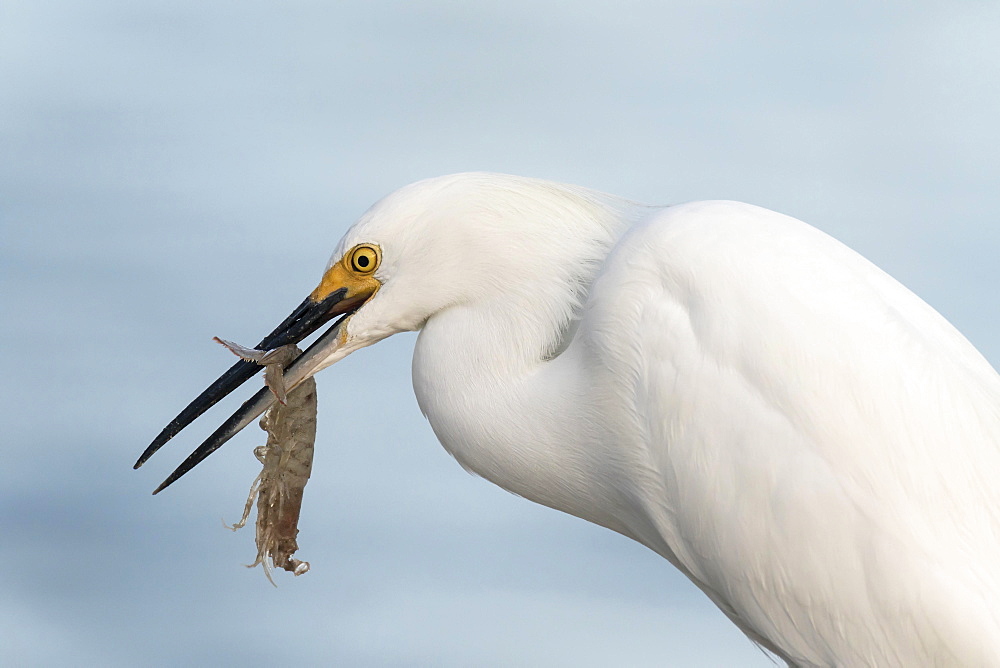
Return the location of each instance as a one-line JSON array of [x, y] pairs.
[[331, 299]]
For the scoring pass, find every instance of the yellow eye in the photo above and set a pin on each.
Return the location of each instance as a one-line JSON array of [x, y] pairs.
[[363, 259]]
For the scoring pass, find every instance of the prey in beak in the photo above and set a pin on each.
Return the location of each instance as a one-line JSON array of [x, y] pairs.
[[345, 287]]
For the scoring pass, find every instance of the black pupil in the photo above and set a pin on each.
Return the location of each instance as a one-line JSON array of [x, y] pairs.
[[362, 261]]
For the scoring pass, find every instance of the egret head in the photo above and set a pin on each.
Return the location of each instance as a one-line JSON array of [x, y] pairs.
[[470, 240], [467, 239]]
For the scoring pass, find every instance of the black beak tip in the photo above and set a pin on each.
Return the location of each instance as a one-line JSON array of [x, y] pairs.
[[238, 374], [245, 414], [305, 319]]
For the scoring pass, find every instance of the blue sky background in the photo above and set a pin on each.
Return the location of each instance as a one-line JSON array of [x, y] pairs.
[[172, 171]]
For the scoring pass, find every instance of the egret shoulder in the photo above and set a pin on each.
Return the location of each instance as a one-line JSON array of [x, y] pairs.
[[774, 377]]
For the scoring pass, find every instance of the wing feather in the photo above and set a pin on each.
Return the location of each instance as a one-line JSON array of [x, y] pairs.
[[825, 443]]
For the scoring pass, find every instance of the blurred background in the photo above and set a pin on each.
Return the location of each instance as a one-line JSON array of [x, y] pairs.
[[173, 171]]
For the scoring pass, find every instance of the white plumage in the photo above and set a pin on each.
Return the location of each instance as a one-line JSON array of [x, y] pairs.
[[808, 441], [805, 439]]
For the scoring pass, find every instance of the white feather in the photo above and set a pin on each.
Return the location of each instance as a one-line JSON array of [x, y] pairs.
[[808, 441]]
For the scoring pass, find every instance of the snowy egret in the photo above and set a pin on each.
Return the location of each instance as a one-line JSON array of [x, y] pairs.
[[811, 444]]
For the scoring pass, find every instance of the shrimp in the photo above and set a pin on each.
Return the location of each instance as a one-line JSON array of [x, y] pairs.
[[286, 458]]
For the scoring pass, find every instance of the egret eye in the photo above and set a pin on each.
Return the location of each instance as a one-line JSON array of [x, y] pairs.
[[364, 259]]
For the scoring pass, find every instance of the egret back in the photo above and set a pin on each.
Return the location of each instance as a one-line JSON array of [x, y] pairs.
[[821, 445]]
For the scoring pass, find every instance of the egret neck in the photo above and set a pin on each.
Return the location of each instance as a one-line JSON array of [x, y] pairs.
[[510, 392]]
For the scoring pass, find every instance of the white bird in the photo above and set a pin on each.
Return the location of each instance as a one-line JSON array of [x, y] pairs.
[[811, 444]]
